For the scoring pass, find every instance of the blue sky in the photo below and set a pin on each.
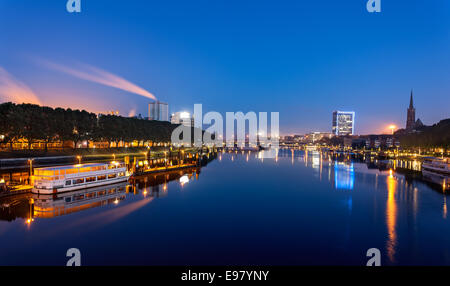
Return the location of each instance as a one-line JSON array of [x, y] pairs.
[[303, 59]]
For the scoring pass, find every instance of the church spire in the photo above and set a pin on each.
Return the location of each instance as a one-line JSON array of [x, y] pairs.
[[411, 105], [411, 115]]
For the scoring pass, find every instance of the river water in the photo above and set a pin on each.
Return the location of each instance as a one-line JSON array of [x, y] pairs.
[[241, 209]]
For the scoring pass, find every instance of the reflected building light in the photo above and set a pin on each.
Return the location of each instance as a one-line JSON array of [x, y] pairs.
[[376, 181], [344, 176], [184, 179], [320, 168], [444, 208], [315, 162], [329, 172], [391, 218]]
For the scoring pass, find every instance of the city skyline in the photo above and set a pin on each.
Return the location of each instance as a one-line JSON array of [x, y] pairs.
[[227, 140], [305, 53]]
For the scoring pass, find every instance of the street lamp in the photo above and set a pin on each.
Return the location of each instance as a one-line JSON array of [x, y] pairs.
[[79, 160], [392, 128]]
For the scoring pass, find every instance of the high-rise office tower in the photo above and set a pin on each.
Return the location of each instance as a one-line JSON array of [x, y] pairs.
[[343, 123], [158, 111]]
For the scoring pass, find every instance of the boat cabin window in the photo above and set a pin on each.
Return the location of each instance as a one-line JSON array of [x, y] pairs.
[[78, 197], [112, 176], [98, 168], [78, 181], [44, 173], [71, 171], [100, 178], [85, 169], [90, 195], [68, 183], [90, 179]]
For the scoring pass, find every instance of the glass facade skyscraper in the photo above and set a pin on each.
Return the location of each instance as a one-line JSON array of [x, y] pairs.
[[343, 123]]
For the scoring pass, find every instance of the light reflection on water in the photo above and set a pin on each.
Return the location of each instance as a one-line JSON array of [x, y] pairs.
[[297, 208], [391, 217]]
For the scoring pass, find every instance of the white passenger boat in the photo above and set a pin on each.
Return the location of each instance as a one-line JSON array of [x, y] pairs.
[[52, 180], [437, 171]]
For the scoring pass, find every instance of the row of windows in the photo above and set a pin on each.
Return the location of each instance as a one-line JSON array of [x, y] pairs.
[[93, 195], [93, 179], [38, 172]]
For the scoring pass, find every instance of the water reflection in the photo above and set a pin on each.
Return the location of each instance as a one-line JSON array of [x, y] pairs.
[[35, 206], [391, 217], [344, 175], [444, 208], [46, 206], [354, 205], [397, 182]]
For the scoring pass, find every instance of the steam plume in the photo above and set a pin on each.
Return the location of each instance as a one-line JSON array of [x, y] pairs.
[[97, 75], [11, 89]]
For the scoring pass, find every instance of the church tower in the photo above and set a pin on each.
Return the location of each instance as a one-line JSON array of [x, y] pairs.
[[411, 114]]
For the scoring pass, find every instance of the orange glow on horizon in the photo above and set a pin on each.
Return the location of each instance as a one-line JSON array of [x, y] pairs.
[[11, 89]]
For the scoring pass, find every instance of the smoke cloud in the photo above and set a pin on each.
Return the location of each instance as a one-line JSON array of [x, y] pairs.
[[11, 89], [97, 75]]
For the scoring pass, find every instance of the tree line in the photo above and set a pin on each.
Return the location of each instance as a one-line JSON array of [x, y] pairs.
[[435, 136], [45, 124]]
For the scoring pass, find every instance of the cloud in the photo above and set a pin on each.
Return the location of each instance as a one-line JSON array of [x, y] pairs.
[[11, 89], [97, 75]]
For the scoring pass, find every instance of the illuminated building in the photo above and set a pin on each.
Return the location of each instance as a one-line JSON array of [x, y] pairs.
[[184, 118], [343, 123], [317, 136], [379, 141], [158, 111]]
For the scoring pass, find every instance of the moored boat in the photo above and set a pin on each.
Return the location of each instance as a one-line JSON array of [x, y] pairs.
[[51, 180], [437, 170]]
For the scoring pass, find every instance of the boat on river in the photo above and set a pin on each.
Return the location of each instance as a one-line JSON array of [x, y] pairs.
[[52, 180], [437, 170]]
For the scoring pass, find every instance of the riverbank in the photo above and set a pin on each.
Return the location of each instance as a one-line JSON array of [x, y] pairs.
[[8, 154], [21, 158]]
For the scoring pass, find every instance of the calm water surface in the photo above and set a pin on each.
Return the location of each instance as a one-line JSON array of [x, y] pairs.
[[298, 209]]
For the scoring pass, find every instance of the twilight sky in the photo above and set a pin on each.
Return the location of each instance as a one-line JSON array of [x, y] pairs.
[[302, 58]]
